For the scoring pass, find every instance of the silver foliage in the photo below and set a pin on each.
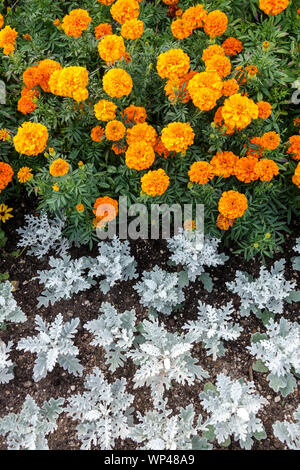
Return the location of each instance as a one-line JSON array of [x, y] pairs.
[[9, 310], [6, 365], [289, 433]]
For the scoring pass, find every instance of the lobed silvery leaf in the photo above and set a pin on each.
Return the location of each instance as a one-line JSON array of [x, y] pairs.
[[9, 309], [6, 365], [289, 433]]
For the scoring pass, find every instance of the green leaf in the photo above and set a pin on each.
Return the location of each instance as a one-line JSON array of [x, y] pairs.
[[207, 281], [259, 366]]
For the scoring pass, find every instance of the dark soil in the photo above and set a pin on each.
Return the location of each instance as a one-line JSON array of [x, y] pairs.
[[237, 362]]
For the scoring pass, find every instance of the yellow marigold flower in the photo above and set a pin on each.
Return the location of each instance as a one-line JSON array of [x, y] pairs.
[[132, 29], [266, 169], [71, 82], [215, 24], [273, 7], [195, 16], [232, 46], [55, 187], [205, 99], [106, 207], [76, 22], [139, 156], [4, 135], [103, 29], [223, 163], [24, 174], [26, 105], [5, 213], [178, 136], [264, 109], [155, 183], [105, 110], [232, 204], [124, 10], [80, 207], [230, 87], [223, 223], [97, 134], [31, 138], [201, 172], [6, 175], [141, 132], [266, 45], [8, 38], [111, 48], [117, 83], [115, 130], [59, 167], [219, 64], [134, 114], [268, 235], [212, 51], [181, 29], [80, 163], [296, 176], [210, 80], [173, 64], [238, 111], [294, 147], [245, 169], [270, 140]]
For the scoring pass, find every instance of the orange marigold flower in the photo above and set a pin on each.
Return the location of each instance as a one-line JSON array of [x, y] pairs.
[[44, 71], [155, 183], [124, 10], [181, 29], [173, 64], [59, 167], [251, 70], [219, 64], [296, 176], [105, 110], [8, 38], [6, 175], [245, 169], [170, 2], [76, 22], [201, 172], [111, 48], [209, 80], [223, 163], [232, 204], [56, 22], [117, 83], [266, 169], [238, 111], [1, 21], [31, 76], [132, 29], [115, 130], [106, 2], [205, 99], [232, 46], [71, 82], [178, 136], [134, 114], [215, 24], [31, 138], [273, 7], [161, 149], [223, 223], [212, 51], [195, 16], [97, 134], [24, 174], [294, 147], [270, 140], [219, 122], [296, 122], [106, 208], [139, 155], [103, 29], [26, 105], [27, 36], [80, 207], [264, 109], [119, 148], [30, 92], [141, 132], [230, 87], [4, 135]]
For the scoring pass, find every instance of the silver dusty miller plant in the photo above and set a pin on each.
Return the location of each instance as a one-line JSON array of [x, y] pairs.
[[158, 430], [41, 235], [160, 290], [232, 406], [9, 310], [28, 429], [296, 260], [163, 357], [6, 365], [195, 254], [114, 262], [114, 332], [268, 291], [64, 278], [53, 344], [278, 352], [103, 412], [289, 433], [212, 326]]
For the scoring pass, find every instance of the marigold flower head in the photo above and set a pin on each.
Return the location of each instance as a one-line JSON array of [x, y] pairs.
[[1, 21], [181, 29], [238, 111], [155, 183], [5, 213], [103, 29], [270, 140], [210, 80], [24, 174], [201, 172], [215, 24], [245, 169], [139, 155], [219, 122], [26, 105], [115, 130], [232, 204], [59, 167], [296, 122], [55, 187], [56, 22], [106, 208], [232, 46], [111, 48], [8, 38], [160, 148], [223, 163], [134, 114], [4, 135], [6, 175], [266, 169], [230, 87], [219, 64], [80, 207], [124, 10], [264, 109], [212, 51], [27, 37], [294, 147], [106, 2], [296, 176], [117, 83], [71, 82], [223, 223], [132, 29], [273, 7], [178, 136], [76, 22], [44, 71], [105, 110], [251, 70], [173, 64], [266, 45], [195, 16], [205, 99], [31, 76], [31, 138], [170, 2], [97, 134], [141, 132]]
